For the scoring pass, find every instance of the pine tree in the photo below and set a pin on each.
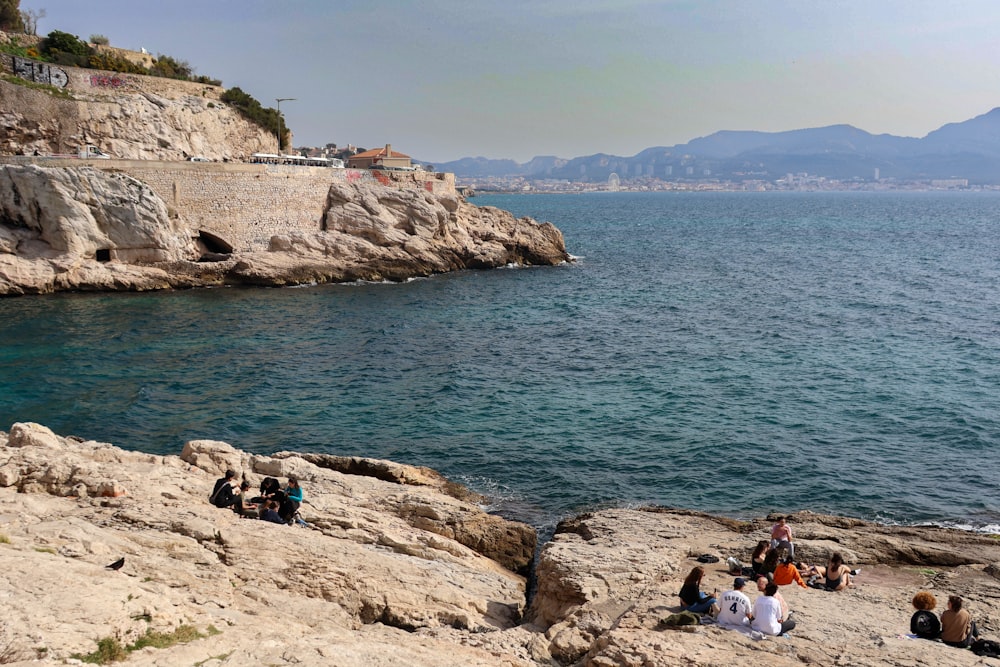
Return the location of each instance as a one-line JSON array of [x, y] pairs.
[[10, 16]]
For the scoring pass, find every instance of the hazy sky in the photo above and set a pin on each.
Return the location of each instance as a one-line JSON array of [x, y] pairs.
[[444, 79]]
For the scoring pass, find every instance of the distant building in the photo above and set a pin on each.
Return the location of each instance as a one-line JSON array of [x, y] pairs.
[[385, 157]]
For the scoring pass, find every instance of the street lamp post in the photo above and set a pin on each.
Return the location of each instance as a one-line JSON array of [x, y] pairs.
[[279, 100]]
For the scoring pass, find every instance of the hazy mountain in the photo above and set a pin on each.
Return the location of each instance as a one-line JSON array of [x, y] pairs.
[[970, 149]]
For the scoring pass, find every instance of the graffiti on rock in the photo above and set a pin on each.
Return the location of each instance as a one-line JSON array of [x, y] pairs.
[[30, 70]]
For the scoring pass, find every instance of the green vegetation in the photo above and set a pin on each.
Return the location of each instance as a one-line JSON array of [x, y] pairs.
[[10, 16], [110, 649], [45, 550], [100, 40], [51, 90], [252, 110], [4, 539], [62, 48]]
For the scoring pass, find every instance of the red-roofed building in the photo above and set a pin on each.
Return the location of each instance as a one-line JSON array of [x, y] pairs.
[[385, 157]]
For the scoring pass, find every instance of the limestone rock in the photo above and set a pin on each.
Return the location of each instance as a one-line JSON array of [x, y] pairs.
[[55, 224], [388, 571]]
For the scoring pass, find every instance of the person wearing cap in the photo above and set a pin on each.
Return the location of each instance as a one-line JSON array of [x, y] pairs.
[[734, 606]]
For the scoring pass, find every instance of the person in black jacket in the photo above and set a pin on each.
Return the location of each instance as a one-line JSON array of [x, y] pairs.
[[222, 494]]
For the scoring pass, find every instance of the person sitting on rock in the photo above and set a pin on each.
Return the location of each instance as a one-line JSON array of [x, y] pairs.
[[268, 487], [957, 627], [242, 504], [223, 494], [767, 614], [837, 576], [270, 512], [781, 536], [758, 556], [924, 623], [762, 583], [294, 492], [786, 573], [692, 598], [734, 606], [770, 564]]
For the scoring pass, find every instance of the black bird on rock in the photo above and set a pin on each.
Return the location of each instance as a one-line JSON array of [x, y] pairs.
[[117, 565]]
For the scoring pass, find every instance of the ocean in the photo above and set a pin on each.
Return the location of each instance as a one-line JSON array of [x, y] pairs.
[[736, 353]]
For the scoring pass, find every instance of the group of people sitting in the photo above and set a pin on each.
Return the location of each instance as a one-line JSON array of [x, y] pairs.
[[771, 565], [274, 504], [956, 627], [769, 613]]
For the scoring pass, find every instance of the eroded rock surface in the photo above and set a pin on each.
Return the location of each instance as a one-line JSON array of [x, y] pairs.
[[386, 573], [84, 229]]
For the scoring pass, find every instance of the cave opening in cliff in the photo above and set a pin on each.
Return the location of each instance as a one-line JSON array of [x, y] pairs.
[[103, 255], [213, 243]]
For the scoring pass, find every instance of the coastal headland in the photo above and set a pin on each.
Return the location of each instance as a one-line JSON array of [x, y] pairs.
[[144, 225], [399, 566]]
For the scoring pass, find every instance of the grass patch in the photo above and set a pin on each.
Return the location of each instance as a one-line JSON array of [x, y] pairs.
[[45, 550], [220, 658], [44, 87], [927, 572], [110, 649], [4, 539]]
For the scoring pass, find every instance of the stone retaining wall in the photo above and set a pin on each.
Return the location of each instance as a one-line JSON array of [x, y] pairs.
[[245, 204]]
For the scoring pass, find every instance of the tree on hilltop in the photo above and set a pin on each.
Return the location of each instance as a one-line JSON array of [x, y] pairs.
[[10, 16], [29, 17]]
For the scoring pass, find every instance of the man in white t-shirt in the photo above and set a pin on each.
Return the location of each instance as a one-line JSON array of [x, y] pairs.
[[735, 606]]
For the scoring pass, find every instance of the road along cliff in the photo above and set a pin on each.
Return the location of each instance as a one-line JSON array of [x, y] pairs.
[[81, 228]]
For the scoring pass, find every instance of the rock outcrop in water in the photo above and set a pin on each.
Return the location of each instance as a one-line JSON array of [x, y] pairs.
[[55, 222], [398, 567]]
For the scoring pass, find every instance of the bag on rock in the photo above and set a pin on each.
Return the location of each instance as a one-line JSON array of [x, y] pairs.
[[735, 566], [986, 648]]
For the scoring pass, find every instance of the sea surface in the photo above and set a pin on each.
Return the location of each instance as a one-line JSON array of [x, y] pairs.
[[737, 353]]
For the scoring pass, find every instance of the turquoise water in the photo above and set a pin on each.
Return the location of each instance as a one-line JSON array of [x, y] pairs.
[[729, 352]]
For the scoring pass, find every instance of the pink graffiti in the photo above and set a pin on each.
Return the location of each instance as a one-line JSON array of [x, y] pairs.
[[109, 81]]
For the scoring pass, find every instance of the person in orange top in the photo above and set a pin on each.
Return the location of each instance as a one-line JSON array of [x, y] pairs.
[[786, 573]]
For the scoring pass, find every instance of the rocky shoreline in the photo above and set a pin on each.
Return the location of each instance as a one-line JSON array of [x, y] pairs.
[[83, 229], [398, 566]]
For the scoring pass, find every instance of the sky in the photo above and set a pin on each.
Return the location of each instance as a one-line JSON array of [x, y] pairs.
[[446, 79]]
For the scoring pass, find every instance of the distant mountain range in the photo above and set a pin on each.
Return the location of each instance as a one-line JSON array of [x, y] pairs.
[[969, 150]]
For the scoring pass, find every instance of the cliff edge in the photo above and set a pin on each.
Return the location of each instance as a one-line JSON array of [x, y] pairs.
[[396, 566], [80, 228]]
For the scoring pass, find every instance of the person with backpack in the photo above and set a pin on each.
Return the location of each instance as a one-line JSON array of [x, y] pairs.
[[222, 494], [924, 622]]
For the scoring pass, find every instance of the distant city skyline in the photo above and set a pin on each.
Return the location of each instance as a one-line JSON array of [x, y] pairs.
[[442, 79]]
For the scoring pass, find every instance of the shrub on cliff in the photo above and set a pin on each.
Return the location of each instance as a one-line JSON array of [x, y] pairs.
[[252, 110], [66, 49]]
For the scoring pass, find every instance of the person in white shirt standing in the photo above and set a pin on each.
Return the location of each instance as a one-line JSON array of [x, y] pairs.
[[735, 606]]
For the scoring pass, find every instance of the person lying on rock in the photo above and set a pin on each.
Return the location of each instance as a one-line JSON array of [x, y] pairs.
[[786, 573], [957, 627], [223, 495], [692, 597], [767, 615], [924, 623]]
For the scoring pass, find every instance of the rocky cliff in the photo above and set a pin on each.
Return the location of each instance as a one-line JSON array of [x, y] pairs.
[[128, 116], [84, 229], [396, 566]]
